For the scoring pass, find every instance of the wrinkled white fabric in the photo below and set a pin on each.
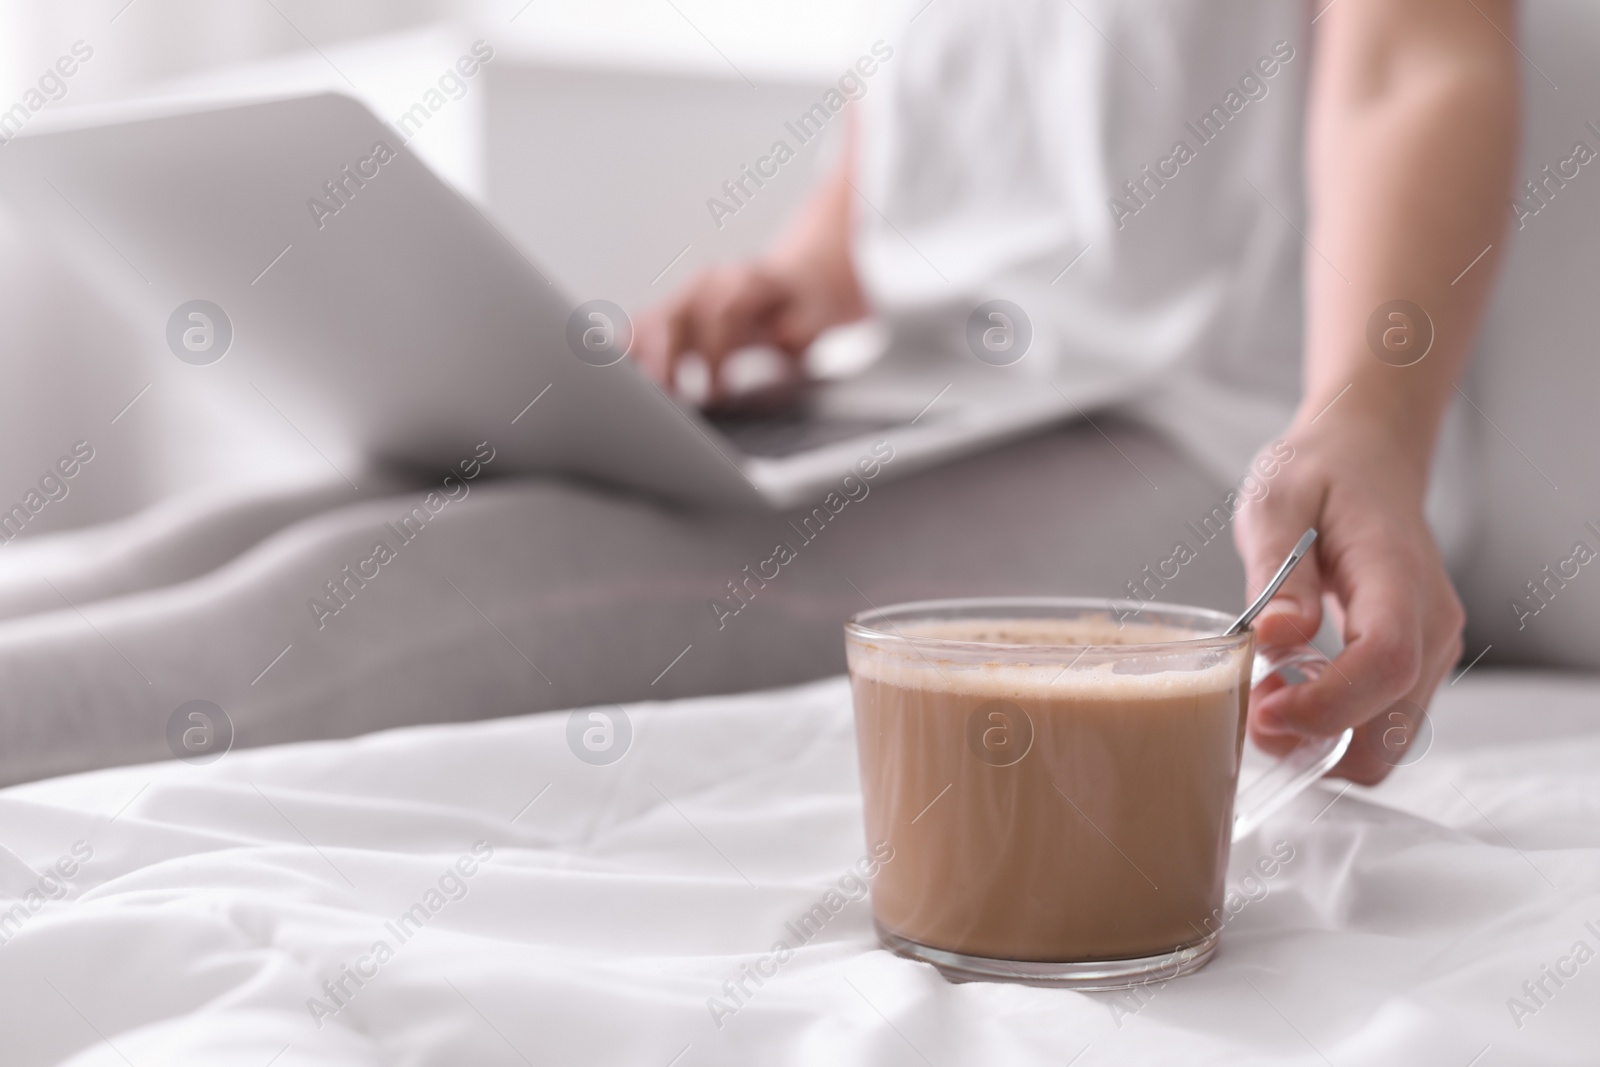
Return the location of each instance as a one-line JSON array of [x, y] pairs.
[[618, 899]]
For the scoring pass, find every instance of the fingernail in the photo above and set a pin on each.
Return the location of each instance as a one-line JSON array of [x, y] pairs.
[[1275, 726]]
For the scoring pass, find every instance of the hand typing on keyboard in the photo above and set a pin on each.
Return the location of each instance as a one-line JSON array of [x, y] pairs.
[[805, 284]]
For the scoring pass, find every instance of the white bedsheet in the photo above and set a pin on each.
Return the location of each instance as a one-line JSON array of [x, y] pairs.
[[216, 900]]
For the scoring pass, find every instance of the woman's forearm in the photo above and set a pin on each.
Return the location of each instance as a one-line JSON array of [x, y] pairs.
[[1413, 120], [816, 247], [1413, 131]]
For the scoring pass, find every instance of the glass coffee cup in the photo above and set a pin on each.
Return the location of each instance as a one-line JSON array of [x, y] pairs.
[[1057, 778]]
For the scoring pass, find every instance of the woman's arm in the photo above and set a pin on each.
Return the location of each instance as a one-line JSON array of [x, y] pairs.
[[1413, 135]]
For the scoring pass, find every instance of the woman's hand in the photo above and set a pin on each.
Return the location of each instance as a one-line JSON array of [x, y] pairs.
[[1376, 563], [730, 307], [806, 284]]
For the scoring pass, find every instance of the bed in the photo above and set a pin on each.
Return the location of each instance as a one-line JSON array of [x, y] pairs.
[[477, 893]]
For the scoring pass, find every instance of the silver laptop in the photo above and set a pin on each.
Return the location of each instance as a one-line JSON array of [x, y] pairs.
[[296, 246]]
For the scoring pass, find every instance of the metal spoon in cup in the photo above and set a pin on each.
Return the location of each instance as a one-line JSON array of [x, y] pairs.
[[1295, 556]]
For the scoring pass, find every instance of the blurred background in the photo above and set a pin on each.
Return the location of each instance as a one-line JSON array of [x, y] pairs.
[[594, 137]]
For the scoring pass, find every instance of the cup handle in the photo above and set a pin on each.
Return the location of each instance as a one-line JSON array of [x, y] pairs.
[[1309, 761]]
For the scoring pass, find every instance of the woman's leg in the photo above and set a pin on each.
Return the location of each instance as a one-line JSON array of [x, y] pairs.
[[535, 595], [171, 542]]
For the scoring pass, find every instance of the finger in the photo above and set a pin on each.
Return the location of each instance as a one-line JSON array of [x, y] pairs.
[[738, 310], [735, 315], [700, 333], [1276, 743], [1383, 743], [1384, 657], [1265, 533], [1380, 744], [652, 342], [663, 334], [681, 341], [1375, 750], [1398, 735]]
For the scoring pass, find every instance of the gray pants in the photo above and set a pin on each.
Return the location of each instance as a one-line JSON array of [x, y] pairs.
[[530, 595]]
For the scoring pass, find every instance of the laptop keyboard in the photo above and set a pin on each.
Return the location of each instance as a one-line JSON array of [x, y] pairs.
[[775, 436]]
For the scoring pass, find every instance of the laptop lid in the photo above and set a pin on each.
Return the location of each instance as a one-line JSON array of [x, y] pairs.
[[379, 310]]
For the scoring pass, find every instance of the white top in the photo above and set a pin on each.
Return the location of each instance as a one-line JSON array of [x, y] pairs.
[[1129, 172], [1000, 148]]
